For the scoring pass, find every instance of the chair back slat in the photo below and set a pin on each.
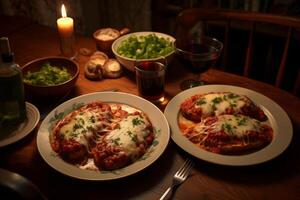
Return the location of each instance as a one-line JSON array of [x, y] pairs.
[[190, 16], [281, 70], [226, 45], [249, 52], [297, 84]]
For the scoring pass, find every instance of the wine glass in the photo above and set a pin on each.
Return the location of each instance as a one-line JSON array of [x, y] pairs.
[[198, 55]]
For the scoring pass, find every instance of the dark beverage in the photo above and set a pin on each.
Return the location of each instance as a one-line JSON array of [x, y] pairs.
[[198, 48], [197, 54], [150, 78], [198, 57]]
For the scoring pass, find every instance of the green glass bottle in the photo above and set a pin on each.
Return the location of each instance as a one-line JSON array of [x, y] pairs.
[[12, 100]]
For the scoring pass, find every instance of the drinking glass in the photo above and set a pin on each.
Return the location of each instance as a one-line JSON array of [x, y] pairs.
[[150, 79], [198, 55]]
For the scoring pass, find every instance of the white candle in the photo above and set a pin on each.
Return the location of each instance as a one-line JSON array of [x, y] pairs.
[[65, 24], [65, 27]]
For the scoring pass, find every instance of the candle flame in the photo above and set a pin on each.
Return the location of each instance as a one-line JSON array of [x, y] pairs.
[[63, 11]]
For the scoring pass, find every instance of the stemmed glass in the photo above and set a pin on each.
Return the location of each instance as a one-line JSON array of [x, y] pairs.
[[198, 55]]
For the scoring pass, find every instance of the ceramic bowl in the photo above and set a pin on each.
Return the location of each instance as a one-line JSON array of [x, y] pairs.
[[55, 90], [129, 63], [104, 37]]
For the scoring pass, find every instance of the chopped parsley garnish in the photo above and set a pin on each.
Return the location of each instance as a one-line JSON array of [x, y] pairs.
[[155, 142], [232, 96], [89, 127], [137, 121], [116, 141], [232, 104], [132, 136], [76, 126], [217, 100], [201, 102], [242, 122], [81, 121], [227, 127], [74, 134], [92, 119]]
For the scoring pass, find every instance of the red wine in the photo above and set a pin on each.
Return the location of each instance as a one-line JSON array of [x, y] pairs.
[[150, 77], [198, 57], [198, 48]]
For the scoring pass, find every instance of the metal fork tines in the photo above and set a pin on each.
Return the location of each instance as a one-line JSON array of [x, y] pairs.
[[180, 176]]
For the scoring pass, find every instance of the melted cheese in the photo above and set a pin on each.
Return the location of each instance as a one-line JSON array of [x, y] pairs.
[[81, 127], [132, 130], [234, 126], [217, 103]]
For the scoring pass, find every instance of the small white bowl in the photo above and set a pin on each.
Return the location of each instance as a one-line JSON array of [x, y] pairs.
[[128, 63]]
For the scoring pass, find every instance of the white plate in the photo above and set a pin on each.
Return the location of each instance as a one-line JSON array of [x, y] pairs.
[[16, 133], [277, 119], [154, 152]]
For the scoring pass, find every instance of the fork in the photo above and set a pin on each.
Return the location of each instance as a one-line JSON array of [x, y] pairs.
[[180, 176]]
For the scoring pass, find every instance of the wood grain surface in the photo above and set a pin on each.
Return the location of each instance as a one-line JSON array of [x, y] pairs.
[[276, 179]]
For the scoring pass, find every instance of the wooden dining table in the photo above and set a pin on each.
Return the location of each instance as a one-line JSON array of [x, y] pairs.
[[278, 178]]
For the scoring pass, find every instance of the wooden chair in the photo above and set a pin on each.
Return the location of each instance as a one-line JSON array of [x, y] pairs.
[[282, 27]]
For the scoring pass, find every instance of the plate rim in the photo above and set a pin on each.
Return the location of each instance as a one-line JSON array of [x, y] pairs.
[[263, 155], [90, 175], [22, 134]]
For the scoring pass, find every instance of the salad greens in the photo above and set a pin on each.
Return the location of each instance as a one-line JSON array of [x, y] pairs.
[[47, 76], [145, 47]]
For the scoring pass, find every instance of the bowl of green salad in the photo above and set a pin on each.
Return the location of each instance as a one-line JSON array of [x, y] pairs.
[[50, 76], [143, 46]]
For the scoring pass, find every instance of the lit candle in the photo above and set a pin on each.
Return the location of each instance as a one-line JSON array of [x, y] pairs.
[[65, 24], [65, 27]]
